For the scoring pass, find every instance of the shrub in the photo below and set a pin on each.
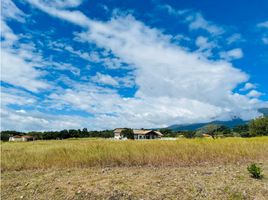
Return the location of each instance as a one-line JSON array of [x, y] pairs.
[[255, 171]]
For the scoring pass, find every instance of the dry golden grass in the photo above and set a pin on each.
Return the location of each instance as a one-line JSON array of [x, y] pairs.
[[91, 153]]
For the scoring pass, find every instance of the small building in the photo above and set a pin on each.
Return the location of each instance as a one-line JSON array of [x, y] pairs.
[[18, 138], [117, 133], [139, 134], [206, 135]]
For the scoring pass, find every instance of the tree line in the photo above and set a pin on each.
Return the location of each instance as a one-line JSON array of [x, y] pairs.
[[64, 134], [256, 127]]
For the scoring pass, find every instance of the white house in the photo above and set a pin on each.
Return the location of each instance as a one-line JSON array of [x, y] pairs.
[[139, 134], [18, 138]]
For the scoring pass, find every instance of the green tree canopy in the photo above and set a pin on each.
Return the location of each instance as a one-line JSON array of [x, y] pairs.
[[258, 126], [214, 130], [128, 133]]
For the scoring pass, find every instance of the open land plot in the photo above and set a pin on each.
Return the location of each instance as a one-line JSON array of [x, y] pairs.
[[105, 169]]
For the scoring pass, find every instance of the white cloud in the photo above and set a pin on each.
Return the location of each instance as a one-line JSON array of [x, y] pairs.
[[173, 11], [234, 38], [205, 46], [18, 72], [248, 86], [92, 56], [34, 120], [203, 43], [265, 40], [197, 21], [63, 3], [104, 79], [254, 94], [18, 64], [173, 85], [263, 24], [11, 11], [16, 97], [72, 16], [232, 54]]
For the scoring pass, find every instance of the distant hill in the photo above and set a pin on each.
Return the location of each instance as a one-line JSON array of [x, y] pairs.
[[264, 111], [191, 127], [231, 123]]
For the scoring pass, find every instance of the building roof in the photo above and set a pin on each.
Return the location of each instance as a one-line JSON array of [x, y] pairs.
[[144, 132], [139, 131], [16, 136], [27, 136], [118, 130], [206, 135]]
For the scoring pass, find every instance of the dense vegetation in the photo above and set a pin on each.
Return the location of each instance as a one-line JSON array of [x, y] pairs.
[[256, 127], [64, 134]]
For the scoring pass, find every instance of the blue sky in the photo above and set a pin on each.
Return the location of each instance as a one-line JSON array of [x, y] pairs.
[[107, 64]]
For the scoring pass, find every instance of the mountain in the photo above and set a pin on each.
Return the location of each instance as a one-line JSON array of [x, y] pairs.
[[231, 123], [264, 111], [191, 127]]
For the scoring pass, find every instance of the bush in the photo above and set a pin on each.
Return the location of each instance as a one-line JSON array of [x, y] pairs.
[[255, 171]]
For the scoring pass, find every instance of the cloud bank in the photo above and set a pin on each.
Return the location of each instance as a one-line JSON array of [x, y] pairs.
[[174, 86]]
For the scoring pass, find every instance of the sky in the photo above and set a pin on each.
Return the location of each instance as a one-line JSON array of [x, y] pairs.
[[70, 64]]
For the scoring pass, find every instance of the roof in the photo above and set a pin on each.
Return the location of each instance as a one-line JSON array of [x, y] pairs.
[[27, 136], [138, 131], [16, 136], [118, 130], [144, 132], [206, 135]]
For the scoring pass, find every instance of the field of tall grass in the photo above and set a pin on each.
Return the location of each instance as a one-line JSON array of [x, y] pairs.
[[101, 152]]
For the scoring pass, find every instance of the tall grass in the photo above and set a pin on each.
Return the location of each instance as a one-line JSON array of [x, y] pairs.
[[88, 153]]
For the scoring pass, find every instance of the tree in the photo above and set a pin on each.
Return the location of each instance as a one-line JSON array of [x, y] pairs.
[[37, 135], [85, 132], [128, 133], [64, 134], [258, 126], [74, 133], [242, 130], [188, 134], [166, 132], [6, 134], [211, 129]]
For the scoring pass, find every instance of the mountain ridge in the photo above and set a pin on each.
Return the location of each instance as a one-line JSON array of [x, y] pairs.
[[231, 123]]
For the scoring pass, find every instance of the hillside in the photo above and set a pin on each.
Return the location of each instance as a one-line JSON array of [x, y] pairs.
[[231, 123], [191, 127]]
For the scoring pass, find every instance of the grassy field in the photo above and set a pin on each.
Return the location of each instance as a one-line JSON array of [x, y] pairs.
[[90, 153], [107, 169]]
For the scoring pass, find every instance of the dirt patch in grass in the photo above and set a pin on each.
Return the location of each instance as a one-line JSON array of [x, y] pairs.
[[203, 182]]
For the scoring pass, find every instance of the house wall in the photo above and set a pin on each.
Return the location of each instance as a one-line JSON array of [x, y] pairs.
[[12, 139], [117, 135], [143, 137]]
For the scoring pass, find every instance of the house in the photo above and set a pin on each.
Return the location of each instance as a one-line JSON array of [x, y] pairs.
[[18, 138], [146, 134], [206, 135], [139, 134], [117, 133]]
